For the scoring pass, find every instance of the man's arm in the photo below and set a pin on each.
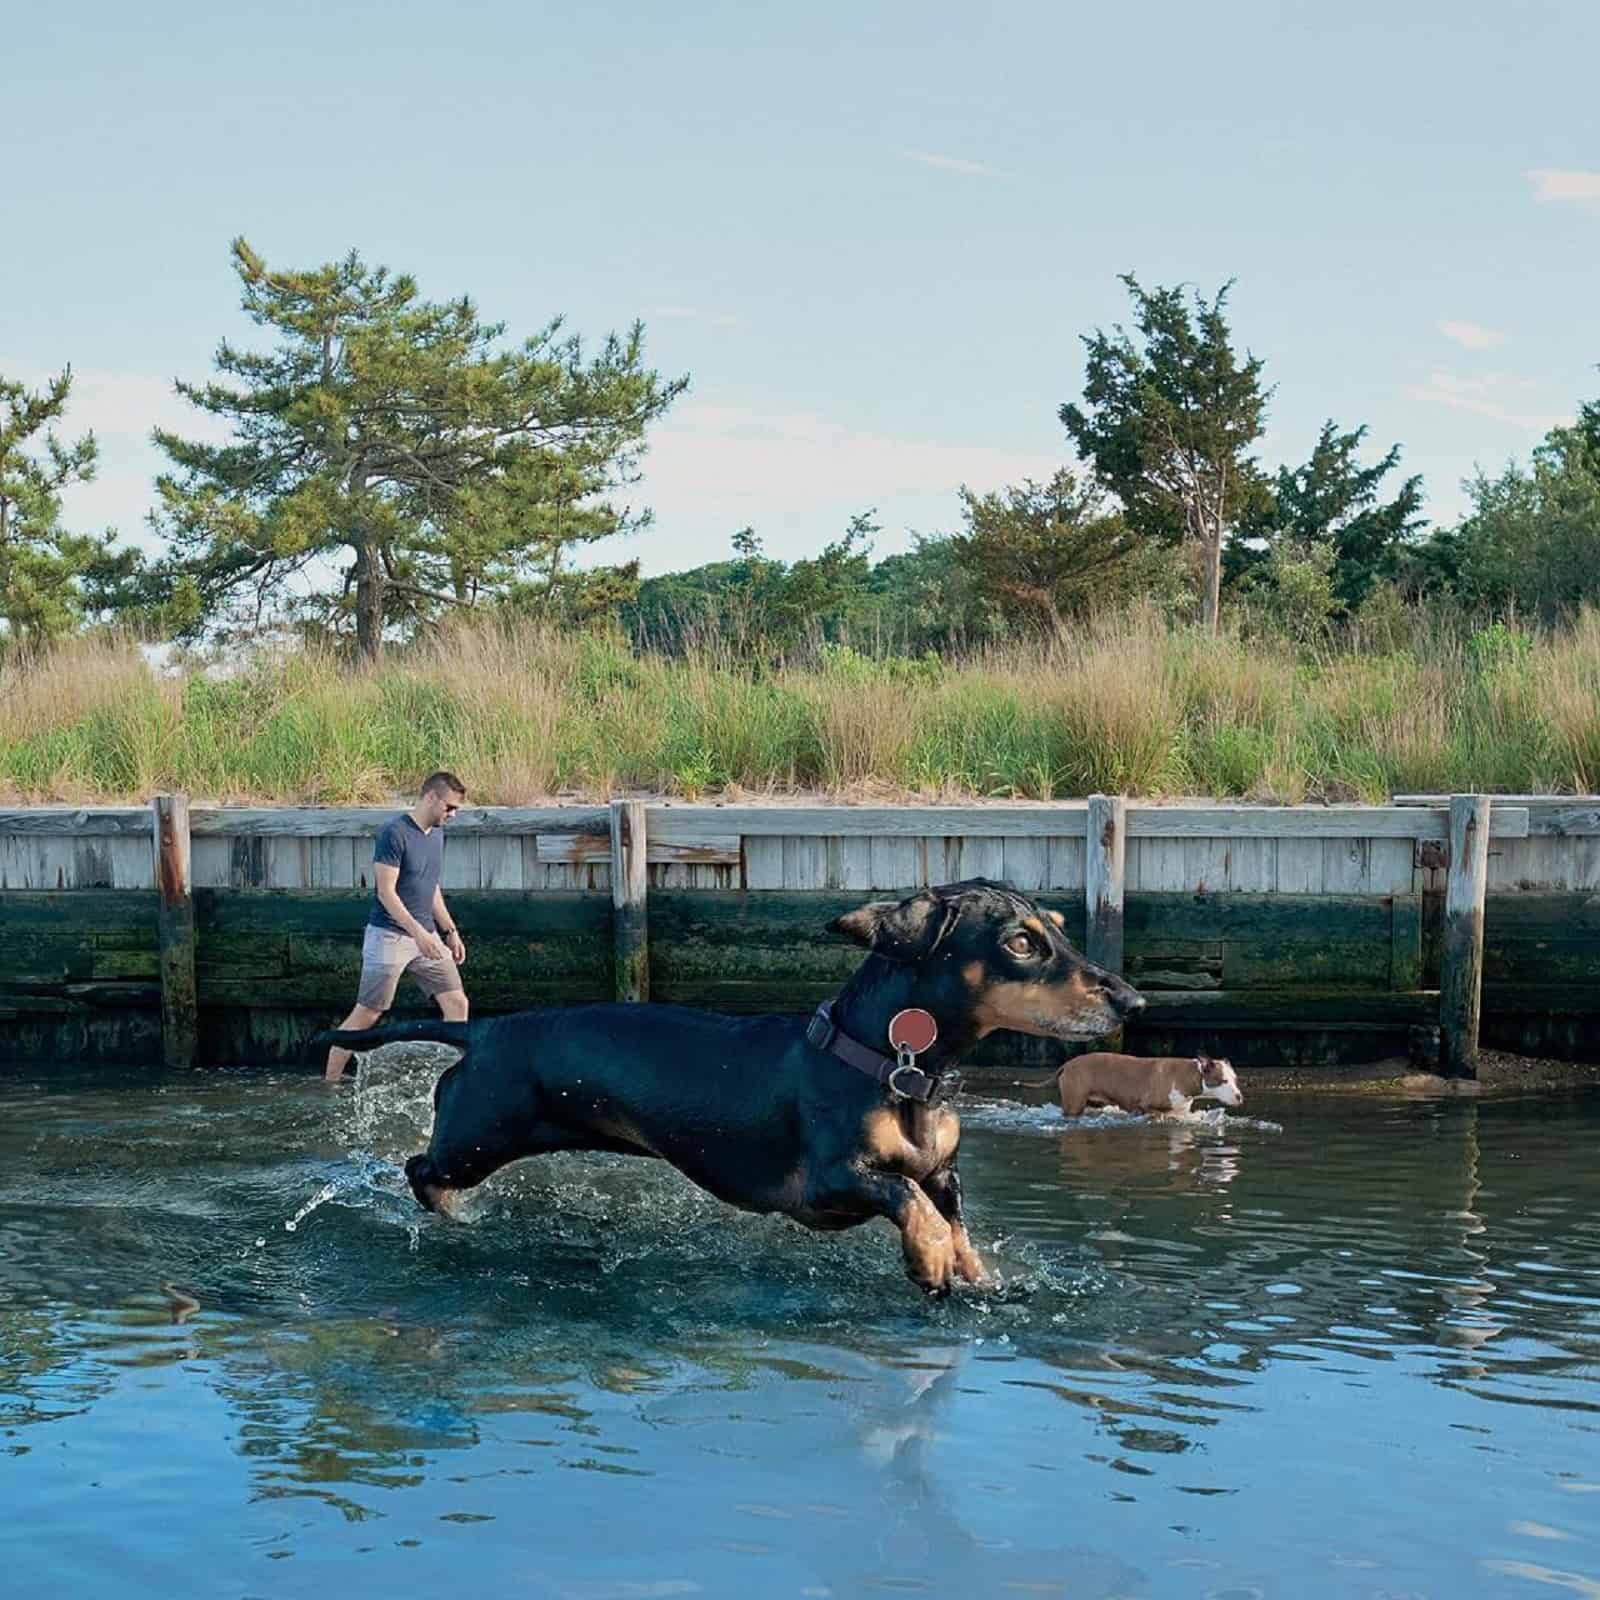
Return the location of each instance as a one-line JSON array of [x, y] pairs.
[[448, 930], [388, 879]]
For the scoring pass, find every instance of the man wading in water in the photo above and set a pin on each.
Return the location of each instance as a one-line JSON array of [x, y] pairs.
[[409, 930]]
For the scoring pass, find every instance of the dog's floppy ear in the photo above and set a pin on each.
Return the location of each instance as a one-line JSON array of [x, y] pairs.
[[900, 930], [1215, 1069]]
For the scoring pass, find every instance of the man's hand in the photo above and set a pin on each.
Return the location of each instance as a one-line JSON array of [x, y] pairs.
[[430, 947], [457, 947]]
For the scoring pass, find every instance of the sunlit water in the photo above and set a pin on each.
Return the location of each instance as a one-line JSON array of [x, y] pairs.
[[1331, 1346]]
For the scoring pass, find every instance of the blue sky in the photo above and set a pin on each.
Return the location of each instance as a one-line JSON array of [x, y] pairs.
[[872, 234]]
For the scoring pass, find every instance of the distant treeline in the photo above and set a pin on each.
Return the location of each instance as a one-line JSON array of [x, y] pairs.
[[388, 462]]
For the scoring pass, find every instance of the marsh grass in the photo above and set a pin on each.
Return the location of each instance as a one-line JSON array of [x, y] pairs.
[[1128, 704]]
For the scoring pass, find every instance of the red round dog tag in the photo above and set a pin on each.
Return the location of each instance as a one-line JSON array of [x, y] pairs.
[[913, 1030]]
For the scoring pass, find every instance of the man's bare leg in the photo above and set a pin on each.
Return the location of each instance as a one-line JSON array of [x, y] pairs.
[[452, 1005], [360, 1017]]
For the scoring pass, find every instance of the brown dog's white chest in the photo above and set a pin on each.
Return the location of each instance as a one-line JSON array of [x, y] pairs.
[[911, 1139]]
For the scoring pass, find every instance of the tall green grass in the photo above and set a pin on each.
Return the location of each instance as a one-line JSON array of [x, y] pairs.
[[1128, 704]]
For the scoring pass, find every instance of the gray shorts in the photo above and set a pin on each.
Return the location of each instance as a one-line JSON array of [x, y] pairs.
[[385, 954]]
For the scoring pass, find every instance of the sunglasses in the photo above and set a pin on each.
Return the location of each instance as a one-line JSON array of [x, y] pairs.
[[449, 809]]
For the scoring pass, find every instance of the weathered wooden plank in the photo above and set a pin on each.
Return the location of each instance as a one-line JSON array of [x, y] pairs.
[[1546, 862], [630, 894], [1065, 869], [331, 863], [1177, 964], [1156, 865], [1461, 950], [85, 821], [365, 821], [1293, 1008], [1273, 916], [1549, 815], [587, 848], [848, 863], [982, 856], [763, 860], [996, 820], [91, 862], [286, 862], [1253, 866], [16, 864], [123, 915], [1391, 869], [55, 862], [175, 930], [133, 864], [1299, 866], [1308, 822], [1346, 866], [1105, 875], [500, 862], [897, 863], [224, 914], [1027, 863], [463, 862], [1586, 865], [303, 947], [1206, 865], [1022, 819], [805, 862], [1405, 943], [1543, 999]]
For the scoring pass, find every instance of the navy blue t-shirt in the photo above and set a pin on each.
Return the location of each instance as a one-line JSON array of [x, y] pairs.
[[419, 856]]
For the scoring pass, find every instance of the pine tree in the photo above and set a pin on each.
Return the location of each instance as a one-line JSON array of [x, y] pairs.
[[50, 579], [1168, 424], [1333, 502], [391, 459]]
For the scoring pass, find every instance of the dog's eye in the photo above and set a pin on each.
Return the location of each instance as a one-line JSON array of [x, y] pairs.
[[1019, 944]]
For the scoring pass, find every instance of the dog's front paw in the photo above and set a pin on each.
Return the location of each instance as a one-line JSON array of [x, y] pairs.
[[968, 1263], [930, 1252]]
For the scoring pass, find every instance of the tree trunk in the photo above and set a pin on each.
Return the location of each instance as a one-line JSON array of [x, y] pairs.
[[369, 602], [1210, 583]]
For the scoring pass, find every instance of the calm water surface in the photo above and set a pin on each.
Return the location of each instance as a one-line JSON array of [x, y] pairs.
[[1336, 1346]]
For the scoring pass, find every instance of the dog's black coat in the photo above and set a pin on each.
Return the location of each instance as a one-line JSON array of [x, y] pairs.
[[748, 1108]]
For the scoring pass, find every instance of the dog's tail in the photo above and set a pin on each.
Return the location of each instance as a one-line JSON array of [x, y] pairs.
[[433, 1029]]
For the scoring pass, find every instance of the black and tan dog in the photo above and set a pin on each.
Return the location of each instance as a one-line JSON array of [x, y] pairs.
[[824, 1121]]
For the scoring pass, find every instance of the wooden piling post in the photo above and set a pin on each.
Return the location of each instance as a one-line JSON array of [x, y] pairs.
[[180, 1017], [1461, 945], [1105, 854], [630, 889]]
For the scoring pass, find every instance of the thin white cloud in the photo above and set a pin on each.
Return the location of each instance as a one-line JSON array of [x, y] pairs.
[[1499, 396], [965, 169], [1565, 186], [1471, 335]]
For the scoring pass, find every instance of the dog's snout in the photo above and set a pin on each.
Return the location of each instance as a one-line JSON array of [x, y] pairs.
[[1127, 1000]]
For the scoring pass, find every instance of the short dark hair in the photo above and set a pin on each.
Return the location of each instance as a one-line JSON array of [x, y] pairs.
[[440, 782]]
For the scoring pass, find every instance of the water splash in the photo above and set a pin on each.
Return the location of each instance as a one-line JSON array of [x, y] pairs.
[[1010, 1116], [321, 1197]]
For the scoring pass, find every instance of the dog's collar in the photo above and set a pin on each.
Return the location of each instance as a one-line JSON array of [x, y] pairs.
[[908, 1082]]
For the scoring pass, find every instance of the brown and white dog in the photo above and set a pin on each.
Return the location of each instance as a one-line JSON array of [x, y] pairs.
[[1156, 1084]]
